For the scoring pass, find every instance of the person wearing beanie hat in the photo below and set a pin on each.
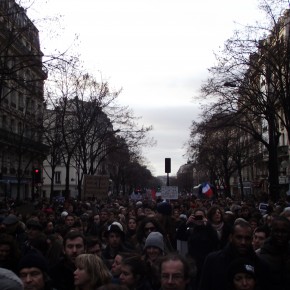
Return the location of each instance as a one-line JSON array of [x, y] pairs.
[[33, 272], [164, 208], [241, 275], [9, 280], [154, 247], [115, 243]]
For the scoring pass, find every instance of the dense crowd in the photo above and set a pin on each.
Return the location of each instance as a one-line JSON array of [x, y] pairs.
[[185, 244]]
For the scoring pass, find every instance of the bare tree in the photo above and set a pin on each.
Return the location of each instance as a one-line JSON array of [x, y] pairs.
[[251, 81]]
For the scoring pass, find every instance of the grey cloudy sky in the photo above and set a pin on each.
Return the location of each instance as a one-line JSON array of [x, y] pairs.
[[157, 51]]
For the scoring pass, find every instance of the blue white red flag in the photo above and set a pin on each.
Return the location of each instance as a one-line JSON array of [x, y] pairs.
[[206, 190]]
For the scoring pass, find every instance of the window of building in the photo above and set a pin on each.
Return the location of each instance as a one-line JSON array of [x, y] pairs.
[[57, 177]]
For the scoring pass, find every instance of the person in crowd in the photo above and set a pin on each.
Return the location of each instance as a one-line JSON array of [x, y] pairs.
[[9, 280], [153, 250], [36, 239], [104, 217], [175, 272], [94, 245], [261, 233], [9, 252], [241, 275], [15, 228], [116, 266], [33, 272], [275, 251], [90, 273], [216, 219], [167, 222], [115, 237], [145, 227], [54, 252], [202, 238], [62, 274], [213, 276], [132, 274], [130, 236], [93, 228], [69, 220]]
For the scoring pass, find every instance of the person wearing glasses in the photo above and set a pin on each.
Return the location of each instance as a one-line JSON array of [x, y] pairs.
[[146, 226], [175, 272]]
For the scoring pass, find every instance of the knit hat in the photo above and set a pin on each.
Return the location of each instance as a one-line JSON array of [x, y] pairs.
[[240, 265], [32, 260], [9, 280], [155, 239], [164, 208]]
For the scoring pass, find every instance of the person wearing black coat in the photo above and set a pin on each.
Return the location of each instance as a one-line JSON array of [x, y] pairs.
[[214, 271]]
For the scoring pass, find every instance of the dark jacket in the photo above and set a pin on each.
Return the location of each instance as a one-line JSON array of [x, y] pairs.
[[215, 268], [278, 260], [62, 275]]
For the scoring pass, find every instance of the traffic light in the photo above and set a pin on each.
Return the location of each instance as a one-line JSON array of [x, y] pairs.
[[37, 175]]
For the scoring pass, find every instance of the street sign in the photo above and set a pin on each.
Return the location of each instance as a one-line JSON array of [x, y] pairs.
[[169, 192]]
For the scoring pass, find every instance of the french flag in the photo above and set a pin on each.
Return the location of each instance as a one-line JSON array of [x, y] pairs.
[[206, 190]]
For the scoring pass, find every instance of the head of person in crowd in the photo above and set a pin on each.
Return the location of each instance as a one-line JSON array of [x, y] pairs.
[[175, 272], [90, 273], [215, 215], [117, 263], [241, 275], [9, 252], [94, 245], [115, 235], [261, 233], [33, 271], [96, 219], [198, 217], [280, 232], [74, 244], [104, 216], [49, 227], [132, 272], [254, 222], [132, 225], [240, 238], [69, 220], [176, 214], [33, 229], [245, 212], [154, 247], [11, 224], [163, 209], [9, 280], [145, 227]]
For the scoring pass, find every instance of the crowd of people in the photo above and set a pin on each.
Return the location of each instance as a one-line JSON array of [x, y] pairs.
[[184, 244]]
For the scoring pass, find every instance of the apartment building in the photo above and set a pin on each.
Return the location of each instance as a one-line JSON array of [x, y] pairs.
[[21, 103]]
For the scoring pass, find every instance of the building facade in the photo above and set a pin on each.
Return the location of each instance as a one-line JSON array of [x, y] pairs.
[[21, 103]]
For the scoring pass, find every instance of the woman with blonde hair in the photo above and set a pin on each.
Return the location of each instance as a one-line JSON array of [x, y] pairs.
[[91, 272]]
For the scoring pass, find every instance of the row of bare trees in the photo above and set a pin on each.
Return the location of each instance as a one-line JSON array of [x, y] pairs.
[[85, 127], [250, 93]]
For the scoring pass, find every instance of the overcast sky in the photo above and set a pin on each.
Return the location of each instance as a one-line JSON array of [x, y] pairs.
[[157, 51]]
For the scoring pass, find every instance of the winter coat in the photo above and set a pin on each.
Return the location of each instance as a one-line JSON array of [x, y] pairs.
[[278, 260]]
